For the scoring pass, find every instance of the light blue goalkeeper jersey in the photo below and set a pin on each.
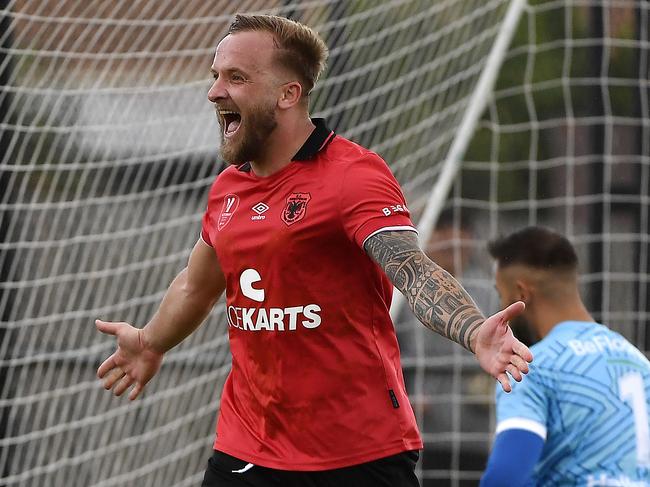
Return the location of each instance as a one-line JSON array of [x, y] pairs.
[[588, 395]]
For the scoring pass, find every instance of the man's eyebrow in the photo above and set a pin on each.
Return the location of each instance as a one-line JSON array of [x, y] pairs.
[[229, 70]]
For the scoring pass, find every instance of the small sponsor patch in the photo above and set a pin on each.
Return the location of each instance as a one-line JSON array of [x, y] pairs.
[[230, 204]]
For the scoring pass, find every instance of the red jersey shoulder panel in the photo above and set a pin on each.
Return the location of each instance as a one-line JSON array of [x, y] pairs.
[[370, 198]]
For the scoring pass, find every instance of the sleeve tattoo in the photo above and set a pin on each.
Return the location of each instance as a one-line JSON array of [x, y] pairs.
[[436, 298]]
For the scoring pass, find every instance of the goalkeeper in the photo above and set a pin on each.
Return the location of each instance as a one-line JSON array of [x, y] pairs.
[[306, 232], [581, 416]]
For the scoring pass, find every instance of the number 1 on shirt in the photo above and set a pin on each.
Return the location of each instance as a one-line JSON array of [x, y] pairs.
[[632, 390]]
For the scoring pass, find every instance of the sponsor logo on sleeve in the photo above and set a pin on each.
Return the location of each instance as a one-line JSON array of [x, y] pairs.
[[296, 208], [394, 210], [230, 204]]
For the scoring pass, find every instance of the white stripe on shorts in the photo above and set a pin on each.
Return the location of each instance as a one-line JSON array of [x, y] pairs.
[[246, 467]]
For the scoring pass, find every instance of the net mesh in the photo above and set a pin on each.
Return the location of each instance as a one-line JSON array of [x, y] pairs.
[[565, 143], [108, 147]]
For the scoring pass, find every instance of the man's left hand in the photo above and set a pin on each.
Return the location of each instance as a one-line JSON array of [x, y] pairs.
[[497, 349]]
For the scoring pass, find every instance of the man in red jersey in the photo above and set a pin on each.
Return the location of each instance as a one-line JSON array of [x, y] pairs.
[[307, 233]]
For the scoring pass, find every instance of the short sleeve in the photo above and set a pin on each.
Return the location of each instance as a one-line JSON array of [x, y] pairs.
[[525, 407], [371, 200], [205, 228], [208, 222]]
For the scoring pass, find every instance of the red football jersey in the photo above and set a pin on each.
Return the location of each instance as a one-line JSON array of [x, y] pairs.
[[316, 381]]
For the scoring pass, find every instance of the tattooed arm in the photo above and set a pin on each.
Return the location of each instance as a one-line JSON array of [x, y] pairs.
[[436, 298], [441, 304]]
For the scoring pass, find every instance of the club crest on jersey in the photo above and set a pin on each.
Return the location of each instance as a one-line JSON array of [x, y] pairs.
[[230, 204], [296, 208]]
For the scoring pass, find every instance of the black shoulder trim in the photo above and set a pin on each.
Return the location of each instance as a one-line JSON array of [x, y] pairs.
[[245, 167]]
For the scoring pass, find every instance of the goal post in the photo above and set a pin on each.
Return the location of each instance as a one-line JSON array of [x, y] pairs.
[[475, 107]]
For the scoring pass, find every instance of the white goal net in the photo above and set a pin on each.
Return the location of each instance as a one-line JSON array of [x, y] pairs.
[[108, 146], [564, 142]]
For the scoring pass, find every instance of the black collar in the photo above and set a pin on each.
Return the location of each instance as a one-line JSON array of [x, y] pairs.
[[316, 142], [319, 138]]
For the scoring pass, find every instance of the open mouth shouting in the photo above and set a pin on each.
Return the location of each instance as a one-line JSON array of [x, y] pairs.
[[242, 142], [230, 121]]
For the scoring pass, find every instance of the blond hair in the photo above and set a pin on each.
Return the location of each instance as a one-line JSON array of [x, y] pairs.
[[300, 49]]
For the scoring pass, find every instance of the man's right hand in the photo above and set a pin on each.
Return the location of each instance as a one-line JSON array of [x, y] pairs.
[[132, 364]]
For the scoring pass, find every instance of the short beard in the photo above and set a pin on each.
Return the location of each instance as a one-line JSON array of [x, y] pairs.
[[260, 123], [523, 331]]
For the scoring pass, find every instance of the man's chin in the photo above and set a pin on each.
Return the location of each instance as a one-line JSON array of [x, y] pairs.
[[229, 154]]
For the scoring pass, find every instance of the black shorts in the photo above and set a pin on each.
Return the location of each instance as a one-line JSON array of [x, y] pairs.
[[394, 471]]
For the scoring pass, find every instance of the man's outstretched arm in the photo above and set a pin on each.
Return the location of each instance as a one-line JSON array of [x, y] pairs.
[[441, 304], [187, 302]]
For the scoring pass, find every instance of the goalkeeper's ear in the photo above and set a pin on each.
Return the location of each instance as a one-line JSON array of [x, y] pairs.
[[291, 95], [524, 290]]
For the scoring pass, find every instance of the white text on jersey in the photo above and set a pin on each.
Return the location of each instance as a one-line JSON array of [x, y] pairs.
[[269, 319], [394, 209], [600, 343], [274, 319]]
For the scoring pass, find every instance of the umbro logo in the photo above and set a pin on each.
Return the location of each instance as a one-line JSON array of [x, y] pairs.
[[259, 208]]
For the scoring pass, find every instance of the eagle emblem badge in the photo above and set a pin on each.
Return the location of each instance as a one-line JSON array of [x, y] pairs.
[[296, 208]]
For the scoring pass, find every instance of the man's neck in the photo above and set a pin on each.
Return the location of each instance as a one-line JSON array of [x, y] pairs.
[[287, 138], [552, 314]]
